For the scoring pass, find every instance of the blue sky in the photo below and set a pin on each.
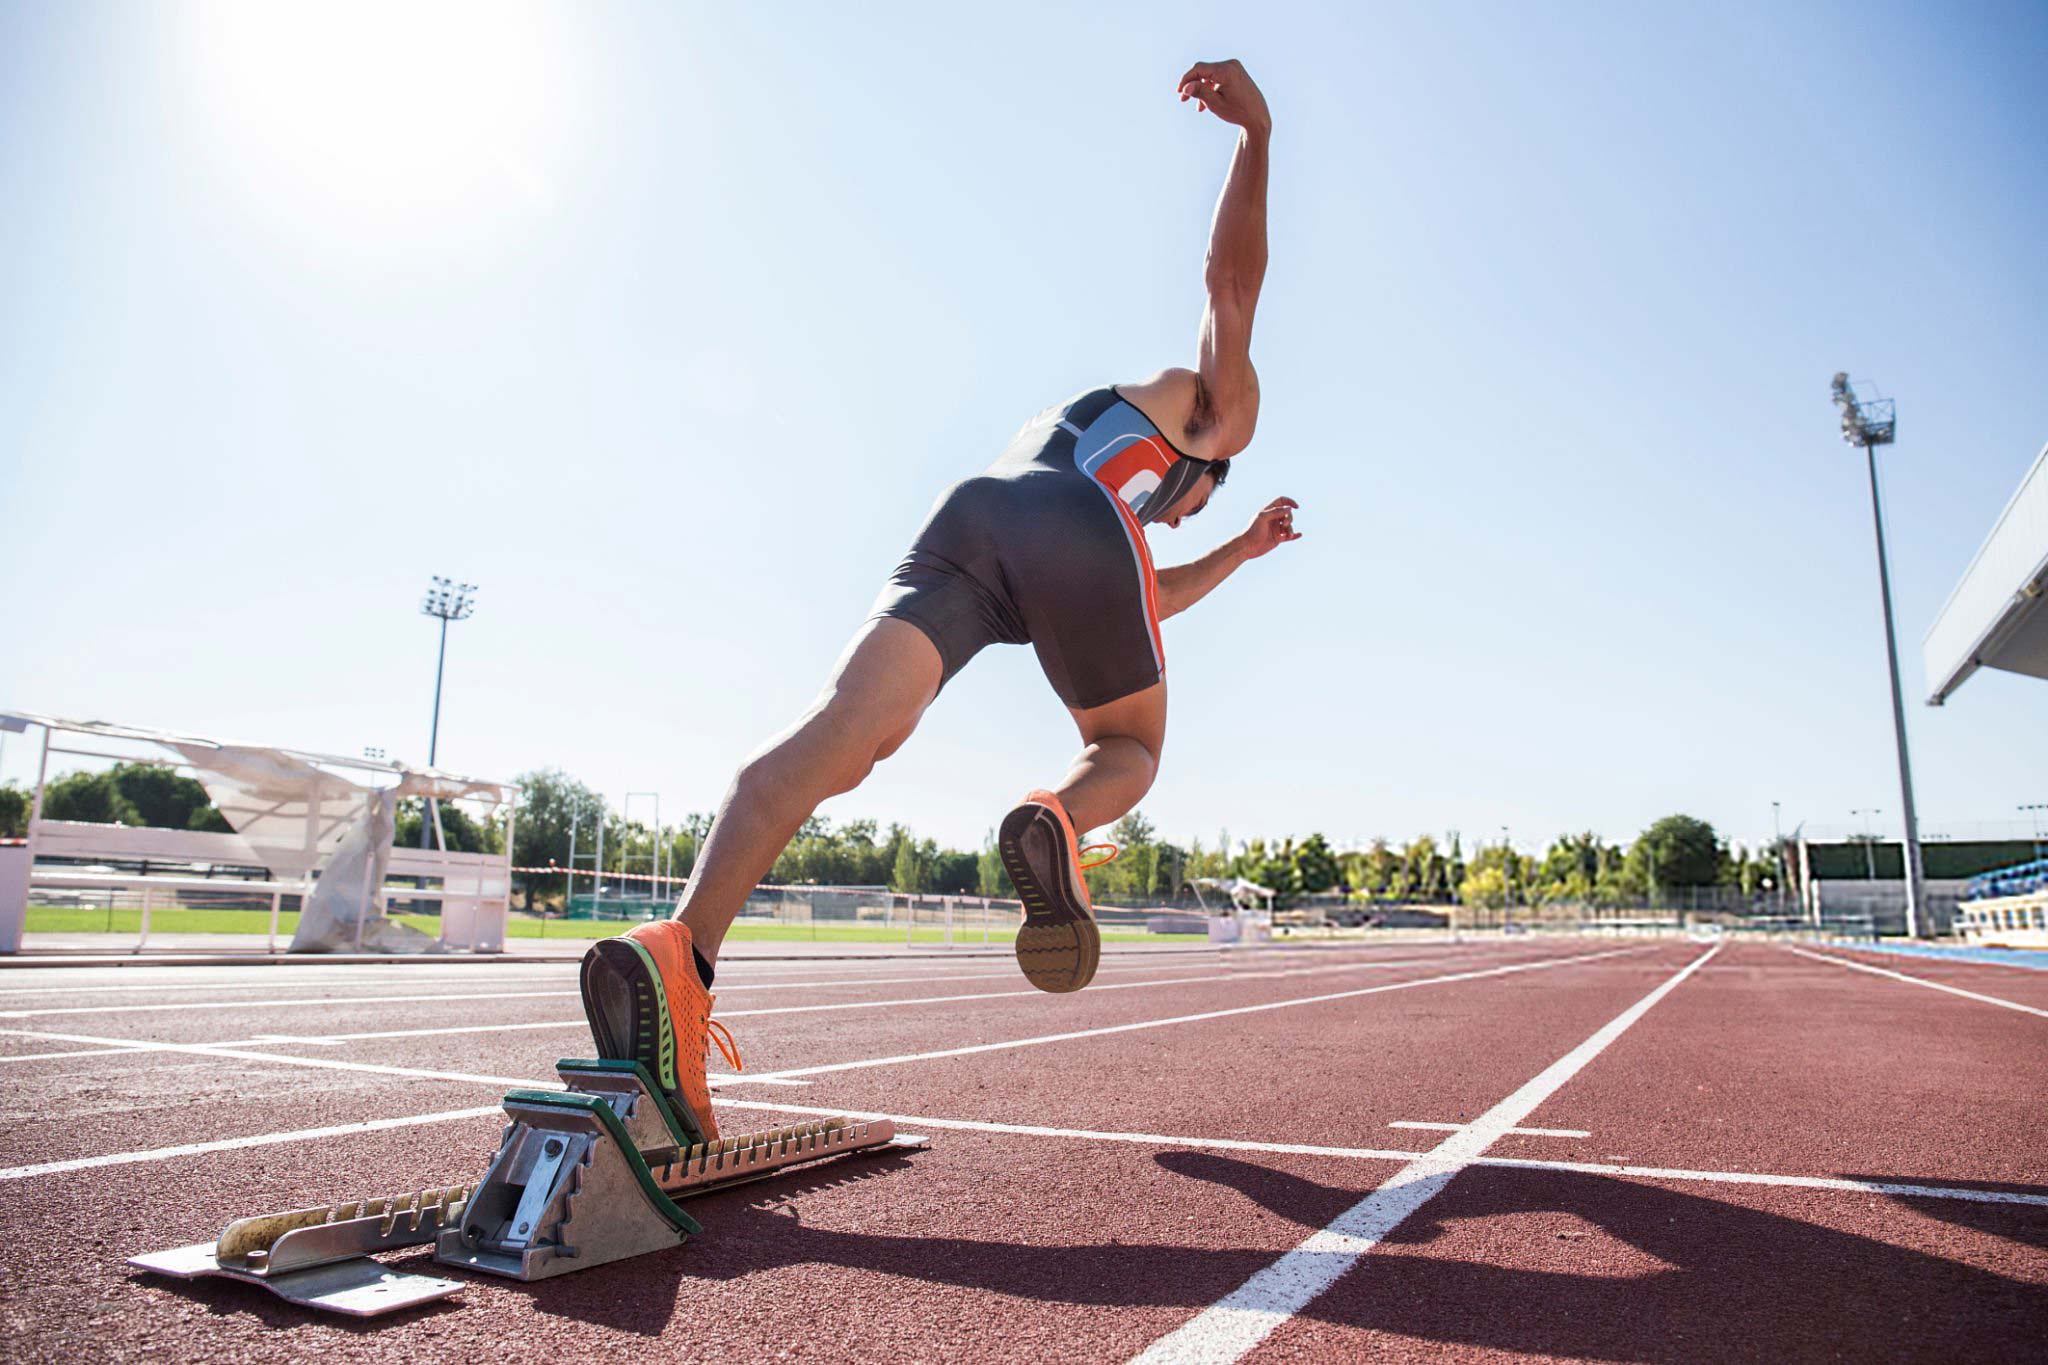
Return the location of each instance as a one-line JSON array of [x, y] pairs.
[[666, 323]]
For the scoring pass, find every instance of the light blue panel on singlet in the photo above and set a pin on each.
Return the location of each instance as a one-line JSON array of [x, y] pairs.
[[1101, 440]]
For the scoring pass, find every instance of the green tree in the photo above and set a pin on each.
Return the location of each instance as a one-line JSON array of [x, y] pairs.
[[909, 872], [1570, 870], [1485, 884], [954, 873], [464, 833], [550, 801], [90, 797], [1314, 866], [1677, 850], [164, 798], [992, 877], [1371, 873], [14, 804]]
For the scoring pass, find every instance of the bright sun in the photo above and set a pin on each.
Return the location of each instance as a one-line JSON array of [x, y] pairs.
[[399, 116]]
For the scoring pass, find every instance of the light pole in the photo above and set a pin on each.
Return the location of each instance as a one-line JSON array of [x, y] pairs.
[[1871, 424], [1507, 878], [445, 601], [1869, 841], [1778, 846], [2034, 809]]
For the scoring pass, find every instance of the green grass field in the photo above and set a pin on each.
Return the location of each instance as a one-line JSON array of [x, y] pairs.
[[50, 919]]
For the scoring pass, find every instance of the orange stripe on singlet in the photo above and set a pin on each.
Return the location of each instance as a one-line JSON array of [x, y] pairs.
[[1150, 577]]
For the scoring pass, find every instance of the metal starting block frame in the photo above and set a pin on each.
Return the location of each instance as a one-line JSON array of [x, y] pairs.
[[583, 1177], [320, 1258]]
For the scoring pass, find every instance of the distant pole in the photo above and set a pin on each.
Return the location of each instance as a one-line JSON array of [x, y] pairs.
[[1872, 423], [2034, 809], [1869, 841], [569, 881], [445, 601], [1778, 847], [1507, 878]]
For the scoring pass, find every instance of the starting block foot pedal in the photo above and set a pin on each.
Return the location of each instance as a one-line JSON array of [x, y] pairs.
[[568, 1189], [591, 1176], [320, 1258]]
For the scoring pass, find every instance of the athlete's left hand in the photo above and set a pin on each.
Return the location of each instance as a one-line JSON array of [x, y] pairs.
[[1274, 525]]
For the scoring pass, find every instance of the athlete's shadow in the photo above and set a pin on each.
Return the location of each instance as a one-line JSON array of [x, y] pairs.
[[1547, 1262], [1597, 1266]]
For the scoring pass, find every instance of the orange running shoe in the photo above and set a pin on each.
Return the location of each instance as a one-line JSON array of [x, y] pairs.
[[646, 1002], [1058, 945]]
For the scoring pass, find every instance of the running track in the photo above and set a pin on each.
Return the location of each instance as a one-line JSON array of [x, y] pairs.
[[1572, 1148]]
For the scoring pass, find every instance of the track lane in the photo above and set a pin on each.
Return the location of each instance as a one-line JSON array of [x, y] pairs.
[[495, 1062], [1776, 1062], [1559, 1265]]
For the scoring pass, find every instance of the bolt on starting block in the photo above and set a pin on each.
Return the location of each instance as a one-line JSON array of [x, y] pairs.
[[583, 1177]]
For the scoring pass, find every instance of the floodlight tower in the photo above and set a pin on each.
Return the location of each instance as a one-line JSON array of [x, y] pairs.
[[1871, 423], [446, 601]]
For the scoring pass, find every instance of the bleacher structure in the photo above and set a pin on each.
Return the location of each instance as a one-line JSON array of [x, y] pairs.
[[313, 830]]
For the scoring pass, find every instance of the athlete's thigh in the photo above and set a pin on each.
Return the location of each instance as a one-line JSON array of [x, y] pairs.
[[1140, 716], [885, 678]]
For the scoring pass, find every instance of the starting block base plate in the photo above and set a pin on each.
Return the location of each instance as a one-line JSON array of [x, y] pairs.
[[359, 1287]]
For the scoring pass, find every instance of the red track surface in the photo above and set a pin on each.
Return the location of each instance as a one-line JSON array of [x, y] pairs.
[[1148, 1207]]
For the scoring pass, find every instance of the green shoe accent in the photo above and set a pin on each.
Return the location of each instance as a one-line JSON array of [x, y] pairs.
[[665, 1043]]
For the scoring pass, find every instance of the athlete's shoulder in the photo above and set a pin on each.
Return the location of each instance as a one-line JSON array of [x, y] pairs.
[[1177, 402]]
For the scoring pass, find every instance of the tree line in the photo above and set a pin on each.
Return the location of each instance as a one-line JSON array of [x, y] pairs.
[[1675, 852]]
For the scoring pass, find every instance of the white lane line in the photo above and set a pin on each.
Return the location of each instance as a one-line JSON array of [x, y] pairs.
[[1539, 964], [113, 1050], [1519, 1132], [1229, 1328], [1919, 981], [295, 1002], [1901, 1188], [1081, 1134], [328, 1039], [234, 1053], [1895, 1188], [282, 1059], [270, 982], [315, 1002], [235, 1144]]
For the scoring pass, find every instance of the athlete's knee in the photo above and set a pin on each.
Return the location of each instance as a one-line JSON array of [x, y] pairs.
[[808, 760], [1148, 747], [1138, 754]]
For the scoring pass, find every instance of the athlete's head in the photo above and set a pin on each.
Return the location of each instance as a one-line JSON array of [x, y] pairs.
[[1196, 498]]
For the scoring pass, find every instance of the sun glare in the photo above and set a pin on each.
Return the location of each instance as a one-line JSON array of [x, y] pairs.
[[368, 115]]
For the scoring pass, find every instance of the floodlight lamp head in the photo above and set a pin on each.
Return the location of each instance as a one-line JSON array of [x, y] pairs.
[[448, 600], [1864, 423]]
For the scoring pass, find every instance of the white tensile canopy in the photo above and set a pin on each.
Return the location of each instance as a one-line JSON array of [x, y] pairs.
[[1998, 615], [308, 815]]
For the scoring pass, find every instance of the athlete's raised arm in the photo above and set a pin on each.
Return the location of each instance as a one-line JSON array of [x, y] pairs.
[[1210, 411], [1227, 389]]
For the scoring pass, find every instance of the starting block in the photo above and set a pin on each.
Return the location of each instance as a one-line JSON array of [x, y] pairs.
[[583, 1177]]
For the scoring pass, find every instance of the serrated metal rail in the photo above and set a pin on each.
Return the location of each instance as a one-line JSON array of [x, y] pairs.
[[736, 1160]]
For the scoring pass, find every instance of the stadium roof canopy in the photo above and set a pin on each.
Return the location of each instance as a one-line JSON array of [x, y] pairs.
[[1998, 615]]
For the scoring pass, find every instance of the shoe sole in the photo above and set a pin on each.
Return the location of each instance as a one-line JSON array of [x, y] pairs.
[[651, 1040], [1058, 945]]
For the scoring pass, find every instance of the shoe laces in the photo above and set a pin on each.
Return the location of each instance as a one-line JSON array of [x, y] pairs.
[[722, 1036], [1114, 854]]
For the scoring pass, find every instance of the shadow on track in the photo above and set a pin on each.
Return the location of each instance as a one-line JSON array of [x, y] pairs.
[[1620, 1270]]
